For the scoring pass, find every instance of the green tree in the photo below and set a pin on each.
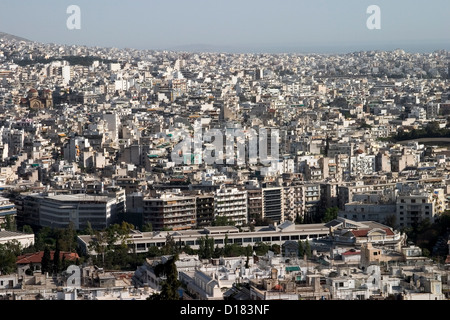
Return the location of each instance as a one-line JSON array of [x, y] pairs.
[[46, 261], [148, 227], [276, 248], [248, 251], [330, 214], [218, 252], [444, 222], [390, 221], [307, 249], [27, 229], [7, 259], [222, 221], [433, 128], [170, 286], [206, 247], [261, 248], [153, 251], [45, 237], [170, 247], [10, 223], [99, 245], [68, 238], [89, 229], [301, 249], [57, 263]]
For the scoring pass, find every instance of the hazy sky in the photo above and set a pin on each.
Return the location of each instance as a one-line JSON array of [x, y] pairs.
[[246, 25]]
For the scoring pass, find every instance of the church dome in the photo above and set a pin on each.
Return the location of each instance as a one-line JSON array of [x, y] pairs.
[[33, 93]]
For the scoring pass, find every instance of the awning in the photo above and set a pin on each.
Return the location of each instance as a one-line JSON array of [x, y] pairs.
[[294, 268]]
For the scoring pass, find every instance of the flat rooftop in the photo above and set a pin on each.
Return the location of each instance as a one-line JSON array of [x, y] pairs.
[[77, 197]]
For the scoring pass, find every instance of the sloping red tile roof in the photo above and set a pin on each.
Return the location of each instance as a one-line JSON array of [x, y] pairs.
[[36, 257], [350, 253], [363, 232], [360, 233]]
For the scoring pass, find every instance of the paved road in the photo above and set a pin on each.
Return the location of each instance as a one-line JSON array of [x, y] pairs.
[[426, 140]]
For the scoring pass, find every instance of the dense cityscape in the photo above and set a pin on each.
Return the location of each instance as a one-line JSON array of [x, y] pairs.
[[162, 175]]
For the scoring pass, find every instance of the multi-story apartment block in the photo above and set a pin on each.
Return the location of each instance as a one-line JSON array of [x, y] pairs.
[[416, 206], [373, 211], [311, 201], [292, 201], [7, 209], [170, 212], [362, 164], [254, 199], [231, 203], [205, 210], [273, 204]]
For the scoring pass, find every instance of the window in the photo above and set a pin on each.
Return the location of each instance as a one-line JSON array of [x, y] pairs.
[[275, 238], [285, 238], [266, 238], [413, 200], [375, 253], [423, 200], [401, 207], [402, 200]]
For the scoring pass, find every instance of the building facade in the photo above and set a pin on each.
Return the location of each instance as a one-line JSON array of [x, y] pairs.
[[170, 211], [231, 203]]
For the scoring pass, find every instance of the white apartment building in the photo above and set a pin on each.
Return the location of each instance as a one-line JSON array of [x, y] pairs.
[[418, 205], [231, 203], [362, 164]]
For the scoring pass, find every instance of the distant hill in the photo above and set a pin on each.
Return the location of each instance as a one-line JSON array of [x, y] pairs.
[[7, 36]]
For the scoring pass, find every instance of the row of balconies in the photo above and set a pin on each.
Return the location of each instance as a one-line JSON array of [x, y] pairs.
[[240, 209], [229, 203]]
